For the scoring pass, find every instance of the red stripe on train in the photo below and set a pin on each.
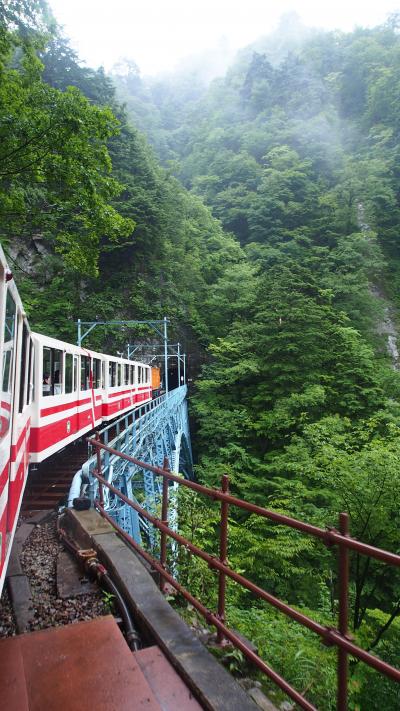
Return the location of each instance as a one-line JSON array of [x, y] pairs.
[[121, 392], [16, 447], [65, 406], [56, 432], [16, 487], [47, 435], [4, 476], [113, 408]]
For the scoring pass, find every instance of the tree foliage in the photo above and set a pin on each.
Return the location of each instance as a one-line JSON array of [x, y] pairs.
[[269, 236]]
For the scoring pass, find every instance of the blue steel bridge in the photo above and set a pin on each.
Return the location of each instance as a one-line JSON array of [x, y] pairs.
[[154, 432]]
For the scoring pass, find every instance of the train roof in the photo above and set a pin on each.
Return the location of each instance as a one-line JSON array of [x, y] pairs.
[[72, 348]]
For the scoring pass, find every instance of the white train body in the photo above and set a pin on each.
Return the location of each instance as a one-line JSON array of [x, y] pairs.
[[76, 390], [52, 393]]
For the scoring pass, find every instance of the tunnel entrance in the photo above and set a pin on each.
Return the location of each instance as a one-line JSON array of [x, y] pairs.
[[172, 377]]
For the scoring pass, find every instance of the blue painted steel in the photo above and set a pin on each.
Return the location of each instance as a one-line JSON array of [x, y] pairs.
[[150, 433]]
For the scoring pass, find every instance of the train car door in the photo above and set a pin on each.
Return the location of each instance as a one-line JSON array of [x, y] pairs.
[[86, 409], [22, 414], [8, 337], [71, 392]]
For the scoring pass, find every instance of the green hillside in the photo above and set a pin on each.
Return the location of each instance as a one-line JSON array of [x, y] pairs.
[[261, 214]]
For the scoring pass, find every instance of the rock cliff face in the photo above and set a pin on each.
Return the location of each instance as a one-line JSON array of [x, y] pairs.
[[387, 328], [28, 256]]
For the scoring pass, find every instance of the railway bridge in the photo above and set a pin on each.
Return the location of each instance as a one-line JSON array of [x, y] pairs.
[[155, 433]]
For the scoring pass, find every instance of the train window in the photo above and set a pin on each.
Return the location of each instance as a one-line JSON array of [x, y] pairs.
[[69, 384], [111, 373], [30, 392], [103, 374], [75, 384], [126, 374], [52, 371], [132, 374], [57, 371], [24, 370], [139, 375], [119, 373], [7, 387], [47, 387], [85, 372], [96, 373]]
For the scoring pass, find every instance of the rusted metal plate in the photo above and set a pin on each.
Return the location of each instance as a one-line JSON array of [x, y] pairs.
[[71, 581], [168, 687], [13, 695], [82, 667]]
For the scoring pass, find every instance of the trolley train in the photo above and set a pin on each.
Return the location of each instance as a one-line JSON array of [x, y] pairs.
[[52, 393]]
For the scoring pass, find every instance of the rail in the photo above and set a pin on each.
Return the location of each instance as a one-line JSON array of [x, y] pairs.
[[331, 537]]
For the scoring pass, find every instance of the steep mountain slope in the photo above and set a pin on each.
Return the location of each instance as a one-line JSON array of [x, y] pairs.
[[297, 399], [299, 402]]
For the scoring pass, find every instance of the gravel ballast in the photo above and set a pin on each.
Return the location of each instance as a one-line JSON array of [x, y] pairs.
[[39, 563]]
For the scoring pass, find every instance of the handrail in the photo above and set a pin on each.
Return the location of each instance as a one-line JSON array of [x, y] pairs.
[[331, 537]]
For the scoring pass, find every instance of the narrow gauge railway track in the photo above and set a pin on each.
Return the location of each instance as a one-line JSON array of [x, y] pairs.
[[48, 486]]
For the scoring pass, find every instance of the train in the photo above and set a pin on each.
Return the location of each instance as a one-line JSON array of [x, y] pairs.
[[52, 393]]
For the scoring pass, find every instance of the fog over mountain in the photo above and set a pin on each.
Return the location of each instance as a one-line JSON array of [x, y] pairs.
[[252, 195], [159, 35]]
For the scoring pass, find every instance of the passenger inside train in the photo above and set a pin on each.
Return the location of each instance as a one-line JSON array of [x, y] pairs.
[[46, 384]]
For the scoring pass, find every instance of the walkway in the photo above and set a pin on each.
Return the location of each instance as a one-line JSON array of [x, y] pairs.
[[88, 666]]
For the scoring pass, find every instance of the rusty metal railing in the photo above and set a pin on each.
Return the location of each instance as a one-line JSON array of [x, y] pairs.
[[331, 537]]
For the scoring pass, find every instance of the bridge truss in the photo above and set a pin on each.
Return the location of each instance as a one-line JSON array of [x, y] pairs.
[[154, 432]]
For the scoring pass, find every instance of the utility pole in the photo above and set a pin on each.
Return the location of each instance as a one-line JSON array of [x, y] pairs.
[[166, 354], [79, 341]]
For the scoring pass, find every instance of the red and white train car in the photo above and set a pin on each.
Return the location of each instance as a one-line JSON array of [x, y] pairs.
[[78, 389], [17, 359], [52, 393]]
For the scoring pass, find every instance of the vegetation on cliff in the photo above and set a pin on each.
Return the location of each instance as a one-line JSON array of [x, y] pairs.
[[275, 211]]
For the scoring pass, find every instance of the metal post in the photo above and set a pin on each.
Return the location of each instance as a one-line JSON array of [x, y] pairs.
[[98, 454], [184, 368], [79, 333], [164, 519], [166, 354], [179, 365], [343, 614], [223, 549]]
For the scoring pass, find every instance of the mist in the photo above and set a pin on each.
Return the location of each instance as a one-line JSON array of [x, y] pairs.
[[160, 36]]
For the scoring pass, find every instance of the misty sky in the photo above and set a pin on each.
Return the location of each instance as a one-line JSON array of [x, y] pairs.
[[156, 34]]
